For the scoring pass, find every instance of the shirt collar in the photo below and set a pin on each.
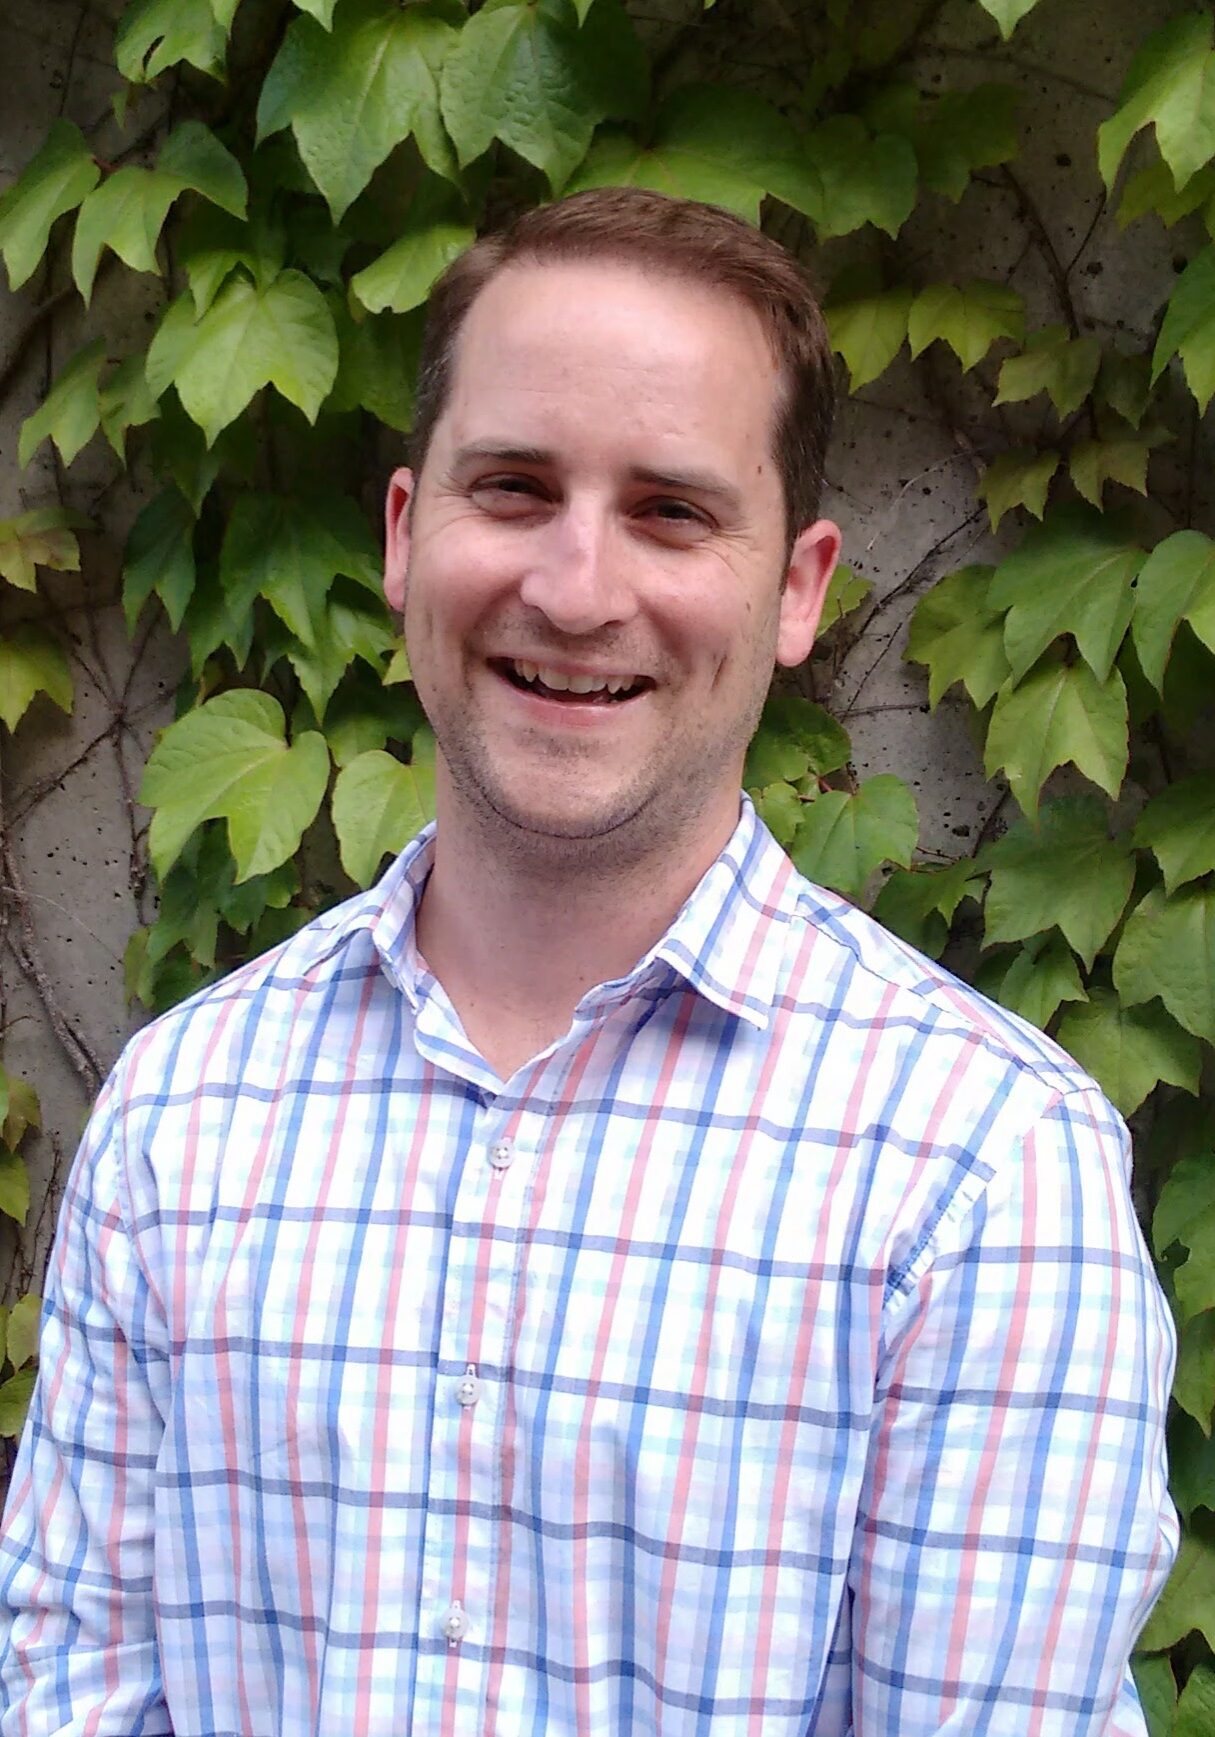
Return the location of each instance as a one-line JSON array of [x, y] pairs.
[[727, 940]]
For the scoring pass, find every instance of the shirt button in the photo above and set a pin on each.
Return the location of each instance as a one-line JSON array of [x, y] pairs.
[[469, 1390], [501, 1155], [455, 1624]]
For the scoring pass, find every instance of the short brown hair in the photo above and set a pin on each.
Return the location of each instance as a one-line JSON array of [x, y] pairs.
[[677, 238]]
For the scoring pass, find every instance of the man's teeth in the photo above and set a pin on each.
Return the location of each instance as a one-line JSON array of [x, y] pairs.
[[574, 684]]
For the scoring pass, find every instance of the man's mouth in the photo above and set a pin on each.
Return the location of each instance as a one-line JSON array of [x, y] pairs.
[[605, 688]]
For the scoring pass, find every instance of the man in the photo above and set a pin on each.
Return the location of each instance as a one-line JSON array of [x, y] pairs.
[[596, 1282]]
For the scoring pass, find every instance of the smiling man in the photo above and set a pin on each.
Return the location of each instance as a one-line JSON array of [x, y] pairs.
[[596, 1282]]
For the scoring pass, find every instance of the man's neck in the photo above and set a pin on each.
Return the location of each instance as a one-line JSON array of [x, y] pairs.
[[517, 939]]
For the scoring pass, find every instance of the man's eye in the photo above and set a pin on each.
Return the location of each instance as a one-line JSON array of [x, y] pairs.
[[508, 494], [680, 518]]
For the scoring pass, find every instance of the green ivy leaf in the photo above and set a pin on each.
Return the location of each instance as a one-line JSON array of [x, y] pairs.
[[125, 402], [321, 10], [1035, 985], [211, 245], [1059, 714], [868, 332], [1171, 82], [289, 551], [401, 279], [1186, 1199], [160, 558], [378, 365], [721, 145], [14, 1186], [353, 93], [378, 806], [970, 317], [1065, 872], [228, 759], [15, 1398], [780, 808], [1017, 478], [281, 336], [1168, 949], [350, 630], [19, 1108], [1157, 1690], [1072, 574], [844, 836], [1129, 1050], [127, 212], [1178, 826], [864, 179], [1124, 384], [918, 905], [1176, 583], [846, 593], [965, 131], [1195, 1713], [1053, 362], [1007, 13], [41, 538], [795, 738], [71, 411], [1188, 1600], [1153, 189], [1194, 1280], [24, 1322], [1188, 328], [529, 75], [54, 182], [31, 662], [960, 636], [1093, 463], [156, 34]]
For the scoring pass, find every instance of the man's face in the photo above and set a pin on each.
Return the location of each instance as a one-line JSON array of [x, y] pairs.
[[591, 561]]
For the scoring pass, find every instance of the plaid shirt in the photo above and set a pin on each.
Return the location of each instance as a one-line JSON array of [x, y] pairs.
[[775, 1354]]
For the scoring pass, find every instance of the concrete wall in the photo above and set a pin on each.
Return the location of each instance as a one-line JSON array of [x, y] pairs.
[[902, 473]]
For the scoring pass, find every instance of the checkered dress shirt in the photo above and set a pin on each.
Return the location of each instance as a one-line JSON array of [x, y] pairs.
[[777, 1353]]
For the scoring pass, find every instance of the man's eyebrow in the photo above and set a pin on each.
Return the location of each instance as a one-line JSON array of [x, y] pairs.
[[698, 482], [503, 450]]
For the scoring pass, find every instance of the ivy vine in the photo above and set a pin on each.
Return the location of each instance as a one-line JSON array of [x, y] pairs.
[[310, 169]]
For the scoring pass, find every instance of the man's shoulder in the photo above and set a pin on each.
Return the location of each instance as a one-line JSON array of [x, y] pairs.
[[863, 972], [244, 1007]]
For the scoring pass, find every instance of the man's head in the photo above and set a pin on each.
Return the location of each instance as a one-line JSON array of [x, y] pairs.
[[670, 237], [593, 553]]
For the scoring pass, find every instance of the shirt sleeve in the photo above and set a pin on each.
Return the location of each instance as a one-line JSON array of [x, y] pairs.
[[1015, 1525], [79, 1652]]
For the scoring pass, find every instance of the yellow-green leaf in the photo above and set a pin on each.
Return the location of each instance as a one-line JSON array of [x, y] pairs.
[[229, 759], [844, 836], [1168, 949], [53, 182], [1129, 1050], [71, 411], [41, 538], [14, 1185], [970, 317], [957, 633], [1059, 714], [31, 662], [378, 806], [1019, 477], [24, 1321], [1176, 583]]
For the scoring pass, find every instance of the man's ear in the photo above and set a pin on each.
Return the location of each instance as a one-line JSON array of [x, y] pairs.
[[811, 564], [396, 537]]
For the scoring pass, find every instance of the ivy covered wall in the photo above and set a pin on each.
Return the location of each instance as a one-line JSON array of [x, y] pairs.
[[221, 222]]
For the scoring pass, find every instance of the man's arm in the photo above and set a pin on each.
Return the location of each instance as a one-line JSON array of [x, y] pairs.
[[1015, 1527], [76, 1556]]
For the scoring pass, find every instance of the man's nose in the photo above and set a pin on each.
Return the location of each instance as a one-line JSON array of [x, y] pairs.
[[580, 575]]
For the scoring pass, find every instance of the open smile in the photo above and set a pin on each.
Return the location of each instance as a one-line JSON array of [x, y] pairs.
[[600, 688]]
